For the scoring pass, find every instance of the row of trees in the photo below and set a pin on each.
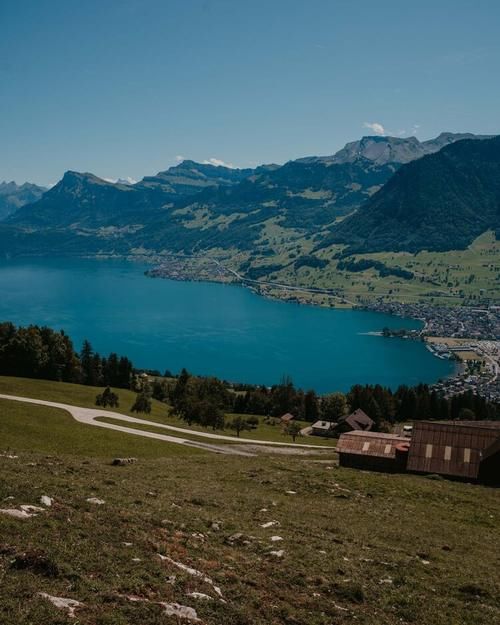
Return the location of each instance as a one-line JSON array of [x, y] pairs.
[[40, 352]]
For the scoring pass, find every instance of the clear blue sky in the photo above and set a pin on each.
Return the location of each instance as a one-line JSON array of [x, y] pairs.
[[123, 87]]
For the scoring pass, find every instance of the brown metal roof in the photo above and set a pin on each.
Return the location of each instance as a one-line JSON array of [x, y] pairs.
[[358, 420], [370, 444], [452, 448]]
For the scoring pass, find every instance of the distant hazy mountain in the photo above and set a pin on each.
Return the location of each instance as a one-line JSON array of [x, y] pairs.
[[195, 207], [189, 178], [440, 202], [387, 150], [13, 196]]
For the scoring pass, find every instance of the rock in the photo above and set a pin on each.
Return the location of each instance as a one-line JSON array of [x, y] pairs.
[[46, 501], [216, 526], [291, 492], [235, 538], [199, 595], [62, 603], [31, 509], [121, 462], [277, 554], [180, 611], [269, 524], [96, 501], [192, 572], [25, 512], [16, 514], [276, 539]]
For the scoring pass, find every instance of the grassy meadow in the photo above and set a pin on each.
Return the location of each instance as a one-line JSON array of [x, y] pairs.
[[79, 395], [355, 546], [292, 540]]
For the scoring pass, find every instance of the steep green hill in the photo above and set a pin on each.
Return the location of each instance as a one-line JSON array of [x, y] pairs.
[[440, 202]]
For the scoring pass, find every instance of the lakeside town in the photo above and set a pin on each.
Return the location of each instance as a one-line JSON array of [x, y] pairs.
[[469, 335]]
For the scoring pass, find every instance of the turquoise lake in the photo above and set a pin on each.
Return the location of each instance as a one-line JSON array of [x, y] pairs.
[[215, 329]]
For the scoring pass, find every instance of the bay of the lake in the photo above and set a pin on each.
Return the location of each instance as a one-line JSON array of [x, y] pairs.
[[211, 329]]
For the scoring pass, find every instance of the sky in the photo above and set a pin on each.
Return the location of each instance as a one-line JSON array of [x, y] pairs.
[[127, 88]]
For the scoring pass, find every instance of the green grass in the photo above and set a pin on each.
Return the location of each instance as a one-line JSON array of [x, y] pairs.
[[450, 278], [79, 395], [28, 427], [358, 546], [276, 435]]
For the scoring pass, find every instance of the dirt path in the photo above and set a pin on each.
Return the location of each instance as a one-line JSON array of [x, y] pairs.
[[89, 416]]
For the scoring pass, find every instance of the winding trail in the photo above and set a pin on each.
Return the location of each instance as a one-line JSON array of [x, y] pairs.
[[89, 416]]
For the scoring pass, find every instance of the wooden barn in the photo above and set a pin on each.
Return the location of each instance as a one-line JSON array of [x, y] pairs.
[[373, 451], [467, 450], [358, 420]]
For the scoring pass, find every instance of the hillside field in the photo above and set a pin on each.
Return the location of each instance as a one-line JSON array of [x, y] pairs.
[[288, 540]]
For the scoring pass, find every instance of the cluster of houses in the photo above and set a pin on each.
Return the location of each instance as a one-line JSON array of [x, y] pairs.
[[465, 450]]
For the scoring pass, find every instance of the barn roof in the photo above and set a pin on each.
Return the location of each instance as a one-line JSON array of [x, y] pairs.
[[358, 420], [370, 444], [323, 425], [451, 448]]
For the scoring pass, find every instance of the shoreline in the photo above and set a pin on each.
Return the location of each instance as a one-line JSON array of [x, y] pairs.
[[325, 298]]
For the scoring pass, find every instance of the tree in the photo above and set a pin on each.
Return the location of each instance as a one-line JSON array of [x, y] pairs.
[[107, 398], [311, 408], [283, 397], [466, 414], [142, 403], [293, 429], [333, 406], [87, 363], [239, 424]]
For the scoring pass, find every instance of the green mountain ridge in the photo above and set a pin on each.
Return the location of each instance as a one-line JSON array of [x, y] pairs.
[[440, 202], [261, 213]]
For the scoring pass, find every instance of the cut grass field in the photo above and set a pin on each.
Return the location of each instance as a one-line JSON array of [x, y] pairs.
[[84, 396], [356, 546], [28, 427]]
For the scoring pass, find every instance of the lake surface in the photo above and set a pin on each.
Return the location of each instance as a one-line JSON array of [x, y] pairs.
[[216, 329]]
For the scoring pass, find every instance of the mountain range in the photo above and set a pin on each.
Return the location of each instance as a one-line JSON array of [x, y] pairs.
[[13, 196], [378, 193]]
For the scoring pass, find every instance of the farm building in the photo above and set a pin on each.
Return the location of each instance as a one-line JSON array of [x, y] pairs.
[[468, 450], [323, 428], [358, 420], [373, 451], [286, 418]]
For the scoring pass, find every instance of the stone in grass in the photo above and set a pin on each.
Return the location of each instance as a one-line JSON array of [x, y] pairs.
[[180, 611], [121, 462], [235, 538], [277, 554], [25, 512], [63, 603], [96, 501], [46, 501]]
